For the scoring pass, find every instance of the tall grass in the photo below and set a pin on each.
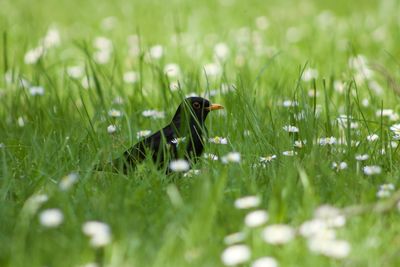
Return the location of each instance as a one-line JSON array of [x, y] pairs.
[[176, 220]]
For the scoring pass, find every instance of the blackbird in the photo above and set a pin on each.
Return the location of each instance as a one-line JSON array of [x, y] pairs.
[[182, 138]]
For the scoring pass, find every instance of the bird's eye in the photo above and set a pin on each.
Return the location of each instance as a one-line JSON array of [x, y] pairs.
[[196, 105]]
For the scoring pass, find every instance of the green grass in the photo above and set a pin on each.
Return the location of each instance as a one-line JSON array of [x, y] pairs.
[[159, 220]]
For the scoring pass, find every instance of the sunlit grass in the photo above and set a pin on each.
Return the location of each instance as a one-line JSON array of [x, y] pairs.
[[311, 118]]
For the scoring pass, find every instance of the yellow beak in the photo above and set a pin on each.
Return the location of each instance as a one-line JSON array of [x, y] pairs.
[[215, 107]]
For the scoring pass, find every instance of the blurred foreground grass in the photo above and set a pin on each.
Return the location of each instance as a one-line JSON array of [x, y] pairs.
[[330, 70]]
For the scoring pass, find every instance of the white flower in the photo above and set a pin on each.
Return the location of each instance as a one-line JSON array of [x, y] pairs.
[[330, 215], [309, 74], [234, 238], [383, 193], [327, 141], [384, 112], [111, 129], [221, 51], [155, 114], [360, 65], [218, 140], [172, 70], [86, 82], [191, 173], [178, 140], [339, 166], [33, 55], [385, 190], [372, 170], [299, 143], [326, 211], [210, 156], [114, 113], [131, 77], [21, 122], [395, 129], [265, 262], [102, 56], [289, 153], [362, 157], [339, 86], [75, 72], [278, 234], [376, 87], [143, 133], [211, 69], [68, 181], [102, 43], [156, 52], [36, 90], [290, 103], [389, 187], [231, 157], [291, 129], [312, 228], [39, 199], [256, 218], [267, 159], [51, 218], [365, 102], [52, 38], [372, 137], [235, 255], [247, 202], [262, 23], [179, 165], [337, 249], [174, 86], [99, 233]]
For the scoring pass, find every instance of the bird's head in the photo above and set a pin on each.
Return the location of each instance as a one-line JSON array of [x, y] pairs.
[[197, 108]]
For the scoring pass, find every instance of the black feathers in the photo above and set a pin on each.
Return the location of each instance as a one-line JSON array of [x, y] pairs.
[[182, 138]]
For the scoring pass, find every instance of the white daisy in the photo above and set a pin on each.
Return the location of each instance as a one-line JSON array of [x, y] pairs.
[[247, 202], [111, 129], [143, 133], [36, 90], [372, 137], [372, 170], [218, 140], [99, 233], [131, 77], [51, 218], [291, 129], [114, 113], [235, 255], [155, 114], [179, 165], [265, 262], [68, 181], [278, 234], [234, 157], [256, 218], [234, 238]]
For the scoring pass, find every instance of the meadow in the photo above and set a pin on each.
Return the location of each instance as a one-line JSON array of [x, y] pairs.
[[301, 168]]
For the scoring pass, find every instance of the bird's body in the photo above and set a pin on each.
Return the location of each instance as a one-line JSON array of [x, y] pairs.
[[181, 139]]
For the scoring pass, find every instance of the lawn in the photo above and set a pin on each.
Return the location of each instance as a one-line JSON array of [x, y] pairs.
[[301, 168]]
